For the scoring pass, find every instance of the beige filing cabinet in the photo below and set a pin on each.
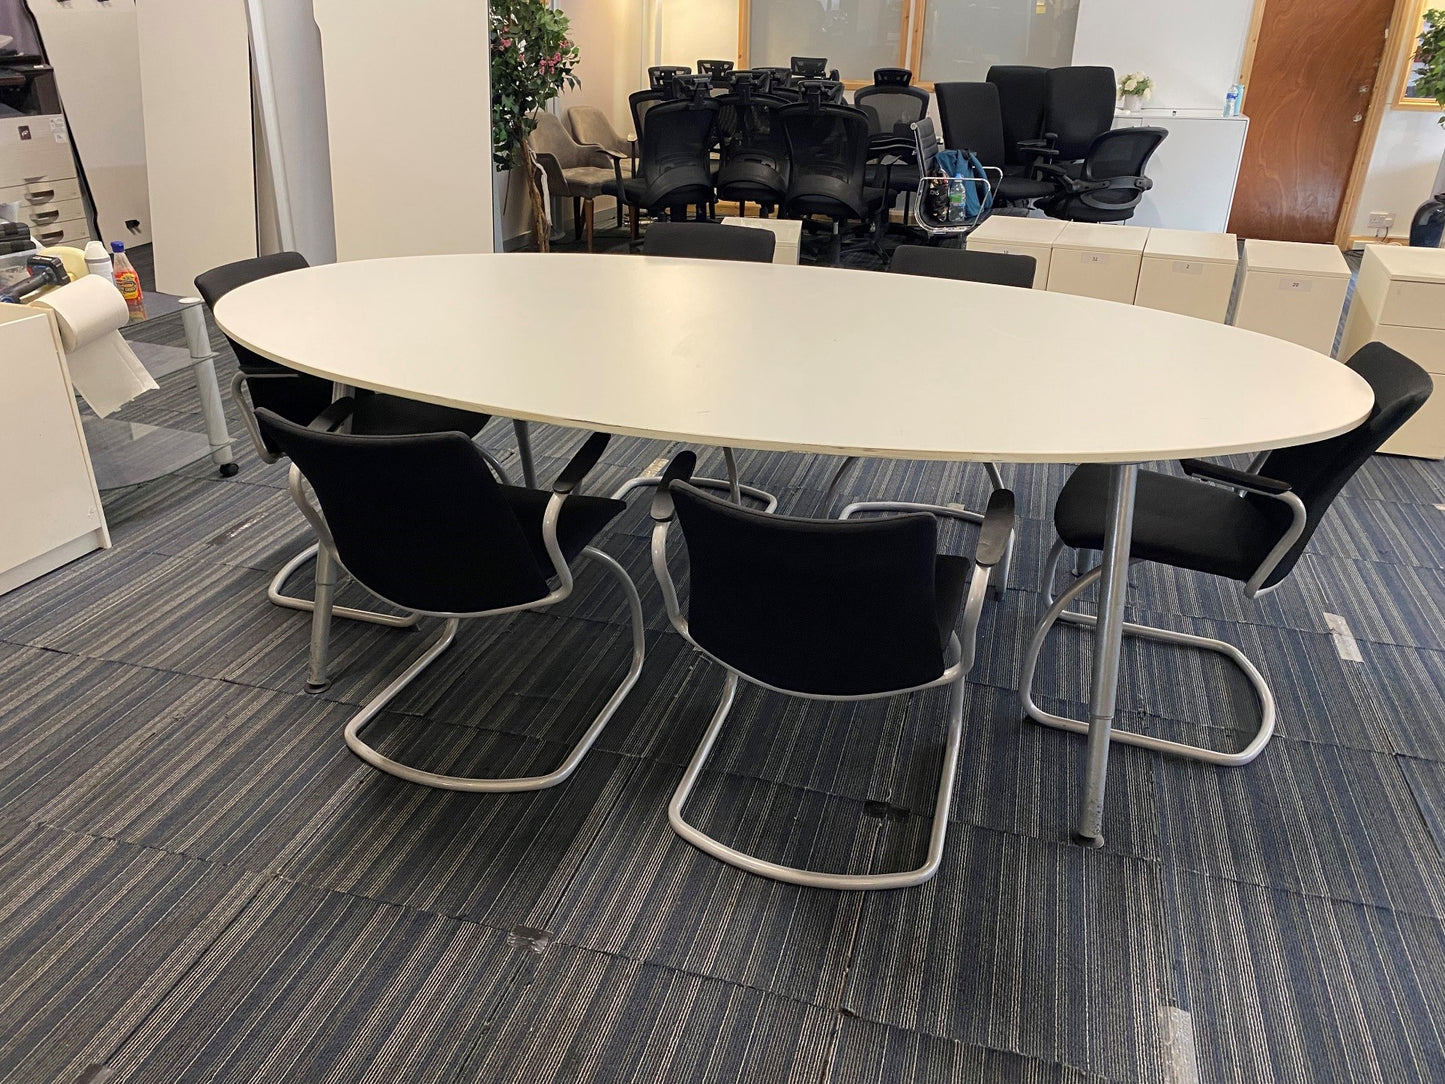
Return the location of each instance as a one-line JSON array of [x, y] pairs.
[[1400, 301], [37, 170], [788, 233], [48, 499], [1293, 291], [1020, 236], [1098, 261], [1188, 272]]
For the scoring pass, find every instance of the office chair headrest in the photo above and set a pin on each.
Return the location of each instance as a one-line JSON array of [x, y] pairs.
[[892, 77], [696, 88]]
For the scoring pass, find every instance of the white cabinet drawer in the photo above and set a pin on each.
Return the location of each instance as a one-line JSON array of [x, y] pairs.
[[75, 232], [43, 191], [46, 215], [1414, 304], [30, 150], [1403, 285]]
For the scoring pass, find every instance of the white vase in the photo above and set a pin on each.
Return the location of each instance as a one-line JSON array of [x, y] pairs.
[[1132, 103]]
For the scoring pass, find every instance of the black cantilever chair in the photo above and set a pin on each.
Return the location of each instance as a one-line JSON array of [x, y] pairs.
[[709, 241], [420, 521], [1111, 180], [299, 397], [1249, 526], [828, 147], [823, 610]]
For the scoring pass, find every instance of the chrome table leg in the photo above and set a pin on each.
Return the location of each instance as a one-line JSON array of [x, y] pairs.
[[317, 677], [524, 453]]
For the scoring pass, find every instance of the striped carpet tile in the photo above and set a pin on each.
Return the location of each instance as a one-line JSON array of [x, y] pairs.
[[94, 934], [1049, 950], [1427, 783], [1393, 604], [590, 1018], [314, 986], [643, 893], [1309, 817], [1293, 989]]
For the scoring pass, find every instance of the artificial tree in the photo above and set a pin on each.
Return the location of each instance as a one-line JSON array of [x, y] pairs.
[[532, 62]]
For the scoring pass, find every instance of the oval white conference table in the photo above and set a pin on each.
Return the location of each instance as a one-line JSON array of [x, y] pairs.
[[810, 359]]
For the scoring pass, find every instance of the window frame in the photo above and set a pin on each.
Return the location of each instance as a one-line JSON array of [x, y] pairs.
[[1402, 99], [910, 32]]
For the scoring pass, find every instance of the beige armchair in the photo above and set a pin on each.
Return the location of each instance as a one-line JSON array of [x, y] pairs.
[[574, 169]]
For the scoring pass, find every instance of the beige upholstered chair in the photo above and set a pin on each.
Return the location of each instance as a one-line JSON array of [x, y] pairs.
[[574, 169]]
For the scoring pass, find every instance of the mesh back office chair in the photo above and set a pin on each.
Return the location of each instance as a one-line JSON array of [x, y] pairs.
[[709, 241], [1023, 98], [675, 171], [774, 80], [1079, 109], [896, 77], [810, 67], [823, 610], [716, 69], [299, 397], [1110, 182], [755, 164], [999, 269], [660, 75], [893, 107], [576, 170], [421, 522], [828, 148], [973, 120], [1249, 526]]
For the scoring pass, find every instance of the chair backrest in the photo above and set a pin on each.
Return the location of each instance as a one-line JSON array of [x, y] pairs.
[[925, 145], [828, 149], [589, 124], [778, 78], [298, 397], [893, 77], [808, 67], [551, 137], [709, 241], [999, 268], [676, 141], [715, 68], [419, 520], [972, 120], [1317, 472], [660, 75], [641, 102], [1123, 152], [1023, 98], [815, 606], [1080, 107], [895, 105], [754, 150]]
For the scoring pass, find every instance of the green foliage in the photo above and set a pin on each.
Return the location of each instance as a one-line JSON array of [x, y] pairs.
[[532, 62], [1431, 53]]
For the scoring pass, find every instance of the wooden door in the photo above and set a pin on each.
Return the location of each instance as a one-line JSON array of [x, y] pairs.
[[1315, 68]]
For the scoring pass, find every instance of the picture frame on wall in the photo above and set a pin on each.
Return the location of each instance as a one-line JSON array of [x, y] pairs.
[[1409, 95]]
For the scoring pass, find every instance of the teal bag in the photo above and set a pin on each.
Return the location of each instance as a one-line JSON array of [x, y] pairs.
[[977, 191]]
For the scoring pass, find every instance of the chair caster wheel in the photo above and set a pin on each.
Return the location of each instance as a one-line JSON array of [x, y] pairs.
[[230, 470]]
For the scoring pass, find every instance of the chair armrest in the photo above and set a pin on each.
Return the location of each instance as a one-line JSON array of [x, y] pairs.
[[680, 469], [1234, 479], [334, 416], [998, 525], [581, 463], [553, 169]]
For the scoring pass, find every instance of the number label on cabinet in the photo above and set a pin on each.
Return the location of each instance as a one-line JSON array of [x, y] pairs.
[[1188, 267], [1094, 257], [1299, 285]]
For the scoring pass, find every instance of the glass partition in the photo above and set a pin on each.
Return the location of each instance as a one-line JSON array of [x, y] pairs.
[[856, 36], [962, 39]]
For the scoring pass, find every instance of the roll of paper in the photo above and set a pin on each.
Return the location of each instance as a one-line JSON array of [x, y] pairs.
[[103, 368]]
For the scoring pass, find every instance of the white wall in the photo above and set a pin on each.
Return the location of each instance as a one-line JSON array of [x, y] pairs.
[[1191, 48], [1402, 169], [694, 30]]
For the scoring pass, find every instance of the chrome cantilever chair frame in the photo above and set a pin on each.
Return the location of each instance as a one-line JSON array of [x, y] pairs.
[[959, 661], [275, 590], [1058, 611], [444, 638]]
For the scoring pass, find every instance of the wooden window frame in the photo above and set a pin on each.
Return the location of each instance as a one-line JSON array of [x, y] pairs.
[[1402, 101]]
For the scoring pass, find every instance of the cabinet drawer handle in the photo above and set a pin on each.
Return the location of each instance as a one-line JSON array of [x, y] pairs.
[[46, 216], [41, 197], [54, 235]]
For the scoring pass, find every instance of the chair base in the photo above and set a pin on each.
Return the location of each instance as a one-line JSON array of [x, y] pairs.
[[730, 485], [1059, 611], [806, 877], [469, 784], [276, 594]]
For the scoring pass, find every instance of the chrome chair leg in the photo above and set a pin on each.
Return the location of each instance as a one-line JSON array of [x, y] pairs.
[[1058, 611], [736, 490], [295, 602], [439, 644], [813, 878]]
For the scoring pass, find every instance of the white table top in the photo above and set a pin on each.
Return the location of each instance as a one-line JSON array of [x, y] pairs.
[[797, 358]]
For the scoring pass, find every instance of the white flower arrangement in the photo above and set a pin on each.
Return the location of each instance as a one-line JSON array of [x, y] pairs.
[[1137, 84]]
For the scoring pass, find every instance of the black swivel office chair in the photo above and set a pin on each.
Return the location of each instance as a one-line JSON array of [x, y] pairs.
[[828, 148], [973, 120], [893, 107], [709, 241], [1111, 180], [755, 165], [716, 69], [1249, 526], [810, 67], [675, 171], [660, 75], [1080, 108], [823, 610], [1023, 91], [421, 522], [298, 397]]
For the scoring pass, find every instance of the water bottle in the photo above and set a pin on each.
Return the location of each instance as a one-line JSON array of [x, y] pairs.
[[97, 261], [1231, 101], [957, 201], [128, 282]]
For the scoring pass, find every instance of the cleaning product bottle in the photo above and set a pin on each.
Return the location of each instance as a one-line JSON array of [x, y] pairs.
[[128, 282], [97, 261]]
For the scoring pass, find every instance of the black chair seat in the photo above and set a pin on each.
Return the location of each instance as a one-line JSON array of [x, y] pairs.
[[582, 519], [381, 415], [1023, 188], [1177, 521]]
